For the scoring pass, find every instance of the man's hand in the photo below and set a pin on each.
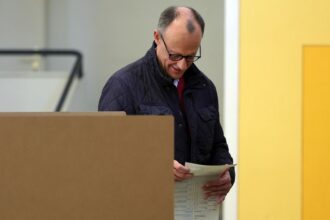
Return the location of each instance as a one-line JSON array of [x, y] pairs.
[[219, 187], [180, 172]]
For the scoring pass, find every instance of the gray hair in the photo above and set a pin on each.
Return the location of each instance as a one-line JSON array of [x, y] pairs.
[[171, 13]]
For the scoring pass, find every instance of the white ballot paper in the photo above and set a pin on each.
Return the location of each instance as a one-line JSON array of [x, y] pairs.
[[189, 196]]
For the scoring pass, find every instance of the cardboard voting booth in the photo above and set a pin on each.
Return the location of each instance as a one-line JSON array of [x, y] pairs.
[[77, 166]]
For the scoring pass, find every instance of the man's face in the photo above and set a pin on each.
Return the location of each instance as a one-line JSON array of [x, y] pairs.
[[176, 40]]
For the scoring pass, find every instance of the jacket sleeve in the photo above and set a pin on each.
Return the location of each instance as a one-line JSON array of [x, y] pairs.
[[115, 97], [220, 153], [220, 150]]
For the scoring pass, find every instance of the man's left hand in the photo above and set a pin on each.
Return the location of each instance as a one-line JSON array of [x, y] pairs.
[[219, 187]]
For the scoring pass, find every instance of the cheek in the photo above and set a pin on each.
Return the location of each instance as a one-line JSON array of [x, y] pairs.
[[169, 63]]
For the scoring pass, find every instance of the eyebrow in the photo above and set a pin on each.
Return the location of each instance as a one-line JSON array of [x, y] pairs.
[[174, 53]]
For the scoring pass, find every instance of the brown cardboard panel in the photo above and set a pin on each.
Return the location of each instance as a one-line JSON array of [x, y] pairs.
[[85, 166]]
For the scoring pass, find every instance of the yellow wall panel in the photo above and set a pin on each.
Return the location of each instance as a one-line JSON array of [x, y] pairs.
[[316, 133], [272, 35]]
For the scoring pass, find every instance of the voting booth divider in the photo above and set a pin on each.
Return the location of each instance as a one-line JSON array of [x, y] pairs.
[[100, 165]]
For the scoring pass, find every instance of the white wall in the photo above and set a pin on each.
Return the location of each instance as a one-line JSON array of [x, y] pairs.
[[113, 33], [22, 25]]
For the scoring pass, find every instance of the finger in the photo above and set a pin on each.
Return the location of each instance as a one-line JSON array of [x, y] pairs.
[[225, 172], [225, 189], [181, 176], [217, 188], [180, 168], [223, 180], [213, 183], [177, 178], [217, 183], [220, 199], [213, 194]]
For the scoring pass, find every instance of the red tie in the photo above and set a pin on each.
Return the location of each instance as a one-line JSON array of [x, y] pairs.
[[180, 88]]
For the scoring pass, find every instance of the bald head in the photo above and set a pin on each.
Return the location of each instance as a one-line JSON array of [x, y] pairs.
[[190, 17], [179, 33]]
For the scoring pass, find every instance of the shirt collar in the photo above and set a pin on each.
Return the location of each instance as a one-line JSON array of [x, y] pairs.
[[176, 82]]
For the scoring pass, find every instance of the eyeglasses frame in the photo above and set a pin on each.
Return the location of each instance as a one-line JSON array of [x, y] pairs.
[[178, 57]]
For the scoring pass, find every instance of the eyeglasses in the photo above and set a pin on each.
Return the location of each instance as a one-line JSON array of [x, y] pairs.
[[177, 57]]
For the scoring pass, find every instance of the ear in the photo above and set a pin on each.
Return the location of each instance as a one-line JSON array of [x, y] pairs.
[[156, 37]]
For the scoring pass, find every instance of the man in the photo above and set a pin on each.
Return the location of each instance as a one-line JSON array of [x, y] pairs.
[[167, 82]]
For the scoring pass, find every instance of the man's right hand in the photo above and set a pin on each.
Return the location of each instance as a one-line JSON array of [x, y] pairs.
[[180, 172]]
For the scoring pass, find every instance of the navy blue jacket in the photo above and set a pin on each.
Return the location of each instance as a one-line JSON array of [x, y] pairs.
[[142, 88]]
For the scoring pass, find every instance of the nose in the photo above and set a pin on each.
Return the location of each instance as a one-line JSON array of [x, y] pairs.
[[182, 64]]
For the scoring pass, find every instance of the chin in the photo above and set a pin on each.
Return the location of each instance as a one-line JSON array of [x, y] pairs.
[[175, 75]]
